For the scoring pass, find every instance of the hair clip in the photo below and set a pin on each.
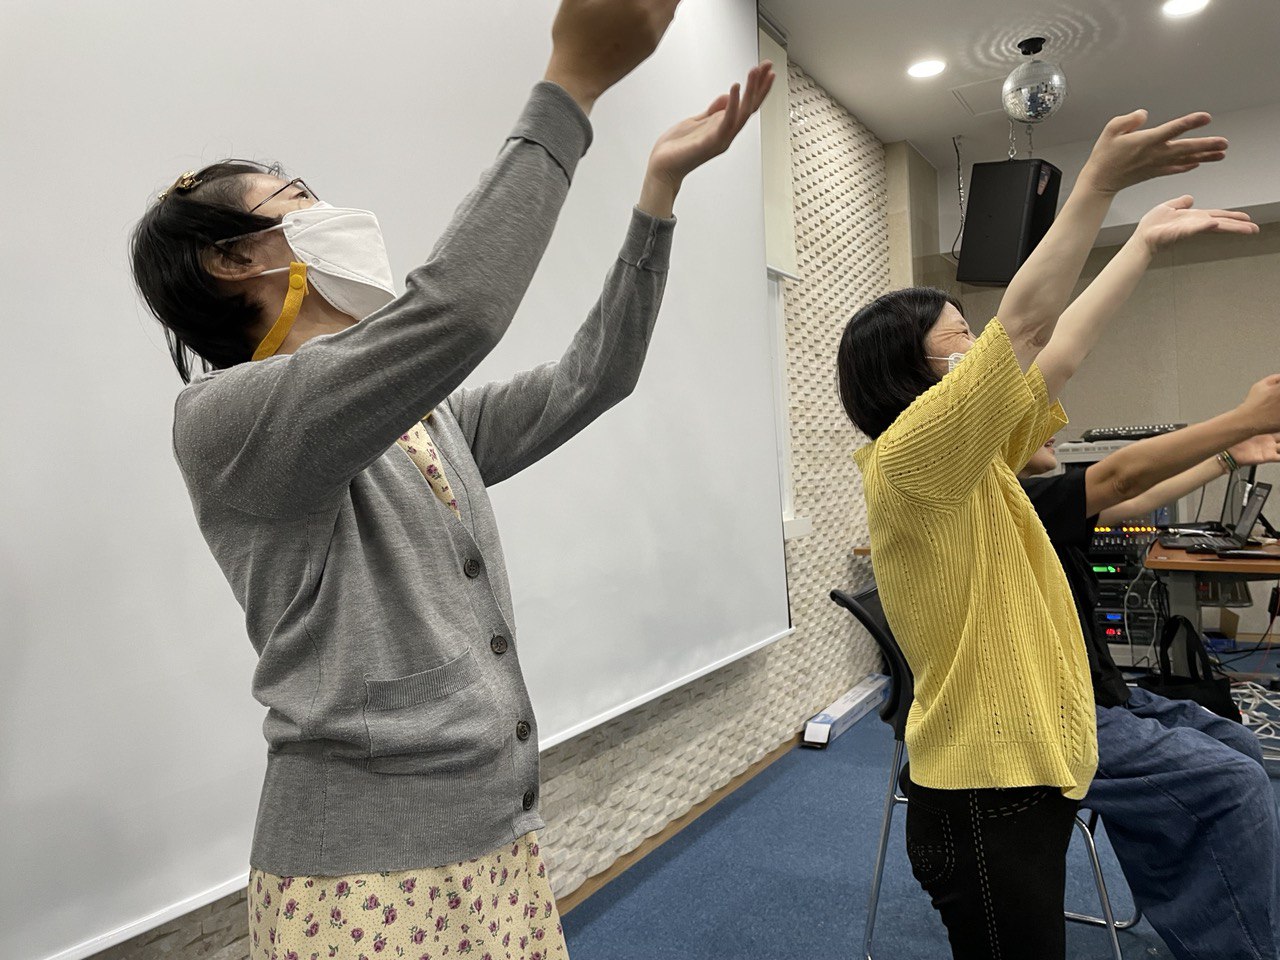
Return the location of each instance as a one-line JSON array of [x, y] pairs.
[[185, 182]]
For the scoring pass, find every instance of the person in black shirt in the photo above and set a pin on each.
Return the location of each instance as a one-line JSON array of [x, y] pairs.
[[1185, 799], [1060, 502]]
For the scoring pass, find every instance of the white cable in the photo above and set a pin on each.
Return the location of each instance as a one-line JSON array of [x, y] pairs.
[[1134, 661], [1260, 709]]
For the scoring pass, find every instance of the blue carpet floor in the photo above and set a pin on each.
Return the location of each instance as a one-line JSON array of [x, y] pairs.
[[780, 870]]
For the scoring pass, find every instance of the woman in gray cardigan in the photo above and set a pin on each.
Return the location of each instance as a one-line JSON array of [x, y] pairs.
[[338, 471]]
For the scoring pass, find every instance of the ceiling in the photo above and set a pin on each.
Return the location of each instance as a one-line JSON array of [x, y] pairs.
[[1117, 54]]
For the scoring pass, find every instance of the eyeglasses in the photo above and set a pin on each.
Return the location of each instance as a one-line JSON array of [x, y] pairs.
[[297, 183]]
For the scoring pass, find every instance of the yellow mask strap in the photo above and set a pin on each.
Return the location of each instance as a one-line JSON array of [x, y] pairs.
[[288, 313]]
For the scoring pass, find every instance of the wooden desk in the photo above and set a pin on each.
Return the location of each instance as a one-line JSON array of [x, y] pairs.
[[1167, 558], [1181, 570]]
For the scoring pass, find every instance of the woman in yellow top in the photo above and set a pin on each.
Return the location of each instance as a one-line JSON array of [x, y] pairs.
[[1001, 735]]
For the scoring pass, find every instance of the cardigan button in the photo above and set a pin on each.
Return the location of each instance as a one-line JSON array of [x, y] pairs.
[[523, 730], [528, 800], [471, 568], [498, 644]]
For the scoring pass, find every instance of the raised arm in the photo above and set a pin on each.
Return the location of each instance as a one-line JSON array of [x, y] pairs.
[[1264, 448], [595, 43], [1137, 468], [513, 424], [1083, 322], [1124, 155], [282, 436]]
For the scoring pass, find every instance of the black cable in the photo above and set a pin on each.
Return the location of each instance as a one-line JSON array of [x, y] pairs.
[[1162, 612], [955, 142], [1226, 664], [1261, 640], [1200, 507], [1267, 528], [1228, 498]]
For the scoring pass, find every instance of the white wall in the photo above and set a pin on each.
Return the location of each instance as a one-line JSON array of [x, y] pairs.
[[1248, 179]]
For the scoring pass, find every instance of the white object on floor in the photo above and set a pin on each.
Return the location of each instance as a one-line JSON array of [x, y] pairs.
[[846, 711]]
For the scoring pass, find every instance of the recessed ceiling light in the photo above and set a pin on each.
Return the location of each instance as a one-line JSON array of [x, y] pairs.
[[931, 68], [1183, 8]]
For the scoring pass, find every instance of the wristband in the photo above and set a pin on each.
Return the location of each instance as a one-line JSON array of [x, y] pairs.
[[1227, 460]]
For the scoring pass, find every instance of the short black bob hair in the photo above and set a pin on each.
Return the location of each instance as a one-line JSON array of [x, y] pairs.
[[202, 320], [881, 366]]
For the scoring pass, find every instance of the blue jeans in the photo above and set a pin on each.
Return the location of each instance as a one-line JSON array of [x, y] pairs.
[[1190, 812]]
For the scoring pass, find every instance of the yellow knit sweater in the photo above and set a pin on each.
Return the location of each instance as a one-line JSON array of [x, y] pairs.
[[971, 586]]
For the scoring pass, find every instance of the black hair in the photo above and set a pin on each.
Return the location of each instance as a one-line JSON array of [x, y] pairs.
[[169, 246], [881, 366]]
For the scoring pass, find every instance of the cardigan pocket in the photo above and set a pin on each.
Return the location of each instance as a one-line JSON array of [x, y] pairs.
[[439, 721]]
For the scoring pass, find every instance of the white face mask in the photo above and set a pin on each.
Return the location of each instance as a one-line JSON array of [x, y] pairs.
[[345, 256], [952, 361]]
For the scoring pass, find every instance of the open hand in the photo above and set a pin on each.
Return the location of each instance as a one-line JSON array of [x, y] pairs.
[[595, 43], [1176, 220], [692, 142], [1126, 154], [1264, 448]]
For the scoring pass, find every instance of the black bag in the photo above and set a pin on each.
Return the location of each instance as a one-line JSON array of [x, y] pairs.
[[1213, 693]]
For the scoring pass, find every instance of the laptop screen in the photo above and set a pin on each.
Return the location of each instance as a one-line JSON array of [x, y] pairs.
[[1252, 509]]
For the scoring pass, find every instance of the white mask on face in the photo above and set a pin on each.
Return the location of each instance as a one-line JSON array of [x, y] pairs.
[[345, 256], [952, 361]]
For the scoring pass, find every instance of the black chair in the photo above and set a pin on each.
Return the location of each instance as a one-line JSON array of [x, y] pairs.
[[865, 606]]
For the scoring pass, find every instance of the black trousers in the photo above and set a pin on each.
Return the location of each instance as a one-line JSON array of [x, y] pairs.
[[994, 864]]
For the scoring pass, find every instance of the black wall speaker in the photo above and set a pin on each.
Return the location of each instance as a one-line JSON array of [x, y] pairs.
[[1012, 204]]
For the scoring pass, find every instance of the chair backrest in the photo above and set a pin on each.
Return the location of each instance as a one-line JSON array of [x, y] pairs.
[[865, 605]]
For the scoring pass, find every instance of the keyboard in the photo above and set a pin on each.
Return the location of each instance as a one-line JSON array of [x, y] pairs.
[[1131, 433], [1201, 542]]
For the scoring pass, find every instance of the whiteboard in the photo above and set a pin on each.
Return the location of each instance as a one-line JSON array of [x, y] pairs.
[[642, 554]]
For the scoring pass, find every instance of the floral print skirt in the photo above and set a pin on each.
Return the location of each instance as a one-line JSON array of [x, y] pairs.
[[496, 907]]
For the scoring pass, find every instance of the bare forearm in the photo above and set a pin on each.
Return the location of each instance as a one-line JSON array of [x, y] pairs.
[[1123, 155], [1035, 299], [658, 196], [1140, 466], [1165, 493], [1084, 321]]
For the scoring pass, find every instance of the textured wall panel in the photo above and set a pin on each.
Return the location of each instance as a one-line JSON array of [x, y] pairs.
[[608, 790], [218, 931]]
